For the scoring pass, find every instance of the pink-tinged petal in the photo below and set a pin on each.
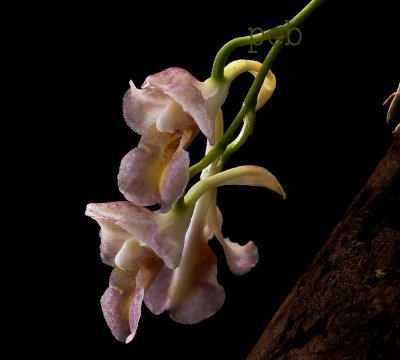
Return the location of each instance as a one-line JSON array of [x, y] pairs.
[[135, 221], [157, 296], [112, 236], [204, 299], [141, 108], [174, 179], [146, 275], [139, 222], [240, 258], [135, 311], [156, 172], [163, 233], [193, 299], [122, 301], [112, 303], [115, 303], [135, 178], [183, 88]]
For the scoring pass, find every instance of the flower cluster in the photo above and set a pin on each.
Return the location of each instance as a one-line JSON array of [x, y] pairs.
[[162, 257]]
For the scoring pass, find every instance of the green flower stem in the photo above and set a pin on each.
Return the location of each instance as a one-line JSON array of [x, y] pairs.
[[247, 129], [277, 33], [305, 13], [249, 103]]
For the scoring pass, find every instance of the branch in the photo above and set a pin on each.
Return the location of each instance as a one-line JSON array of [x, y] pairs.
[[347, 303]]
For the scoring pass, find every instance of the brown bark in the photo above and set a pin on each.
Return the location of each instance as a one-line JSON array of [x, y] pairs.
[[347, 303]]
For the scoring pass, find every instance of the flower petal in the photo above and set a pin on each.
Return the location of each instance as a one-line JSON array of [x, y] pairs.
[[190, 296], [116, 304], [183, 88], [172, 228], [205, 297], [162, 233], [146, 275], [156, 172], [252, 176], [157, 296], [122, 301], [112, 236], [241, 175], [137, 222], [237, 67], [135, 311], [141, 108], [240, 258]]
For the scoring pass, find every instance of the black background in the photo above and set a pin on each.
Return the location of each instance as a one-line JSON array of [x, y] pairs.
[[321, 134]]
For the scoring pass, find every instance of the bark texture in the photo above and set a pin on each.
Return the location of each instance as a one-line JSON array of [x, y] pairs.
[[347, 303]]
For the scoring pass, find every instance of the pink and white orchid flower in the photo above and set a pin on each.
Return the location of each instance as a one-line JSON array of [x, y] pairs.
[[168, 111], [191, 292], [139, 242]]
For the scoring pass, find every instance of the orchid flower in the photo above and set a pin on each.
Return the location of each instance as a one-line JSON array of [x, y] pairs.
[[137, 242], [140, 243], [168, 112], [143, 245], [191, 292]]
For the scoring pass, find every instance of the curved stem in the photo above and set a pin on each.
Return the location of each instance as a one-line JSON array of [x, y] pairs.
[[277, 33], [247, 129], [305, 13], [249, 102]]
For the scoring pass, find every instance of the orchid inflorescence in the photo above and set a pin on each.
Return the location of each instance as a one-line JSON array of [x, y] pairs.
[[162, 257]]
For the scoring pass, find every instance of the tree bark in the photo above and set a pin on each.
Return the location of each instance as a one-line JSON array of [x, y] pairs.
[[347, 303]]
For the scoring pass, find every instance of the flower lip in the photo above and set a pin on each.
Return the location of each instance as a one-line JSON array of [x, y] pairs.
[[157, 171]]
